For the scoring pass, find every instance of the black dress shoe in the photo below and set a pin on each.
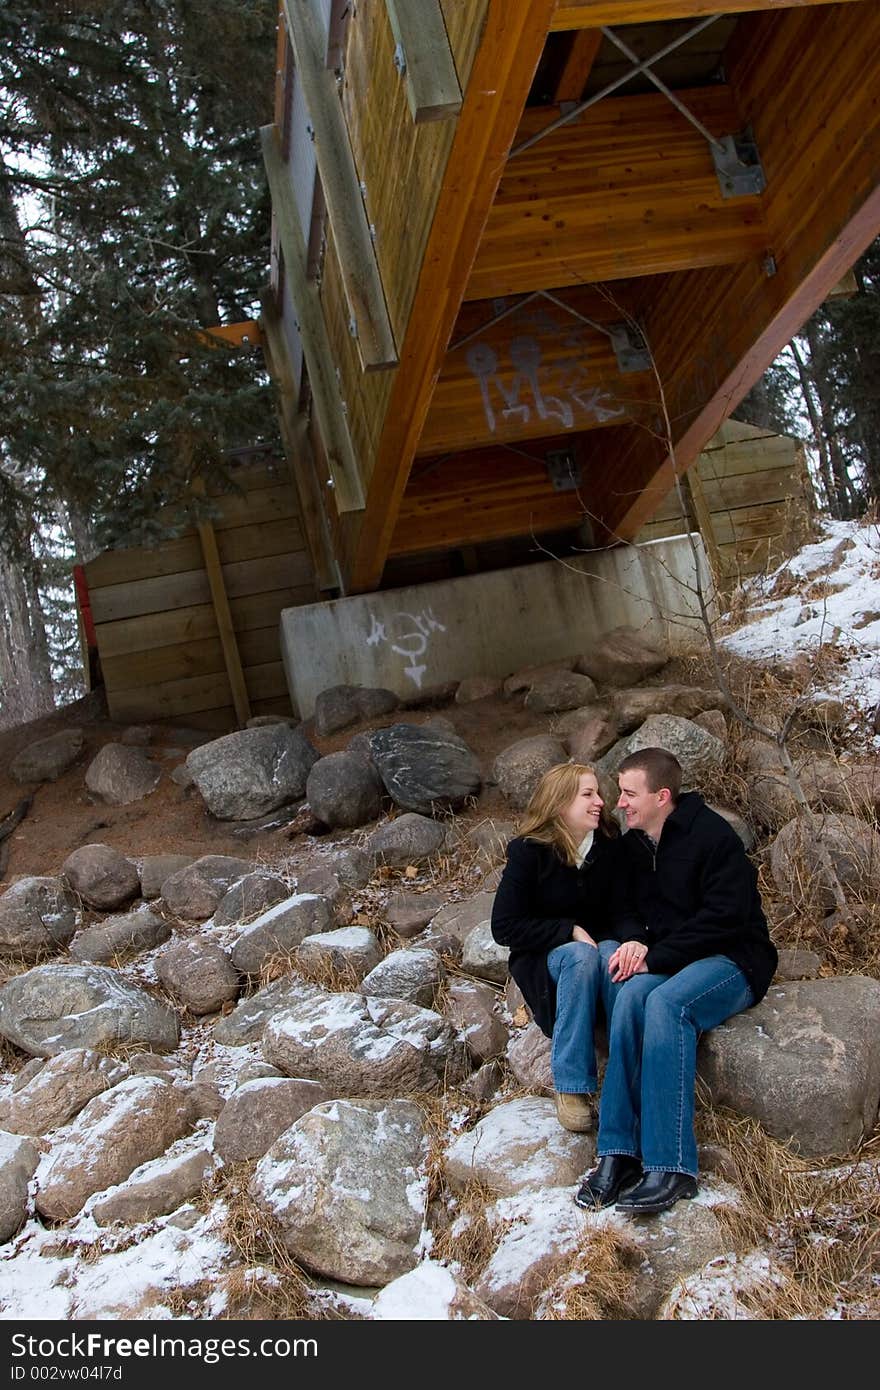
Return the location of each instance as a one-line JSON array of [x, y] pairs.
[[658, 1191], [614, 1174]]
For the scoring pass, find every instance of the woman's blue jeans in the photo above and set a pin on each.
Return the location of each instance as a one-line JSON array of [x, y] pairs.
[[647, 1104], [582, 979]]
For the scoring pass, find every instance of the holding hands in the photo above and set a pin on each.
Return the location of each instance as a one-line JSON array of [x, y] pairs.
[[628, 959]]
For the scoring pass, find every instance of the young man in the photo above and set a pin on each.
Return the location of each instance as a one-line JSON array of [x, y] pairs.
[[695, 951]]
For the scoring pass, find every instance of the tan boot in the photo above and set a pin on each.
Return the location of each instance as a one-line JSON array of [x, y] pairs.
[[574, 1112]]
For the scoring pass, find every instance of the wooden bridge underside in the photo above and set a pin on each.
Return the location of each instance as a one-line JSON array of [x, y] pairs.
[[508, 344]]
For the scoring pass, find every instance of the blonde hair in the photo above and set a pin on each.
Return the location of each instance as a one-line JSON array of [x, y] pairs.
[[542, 820]]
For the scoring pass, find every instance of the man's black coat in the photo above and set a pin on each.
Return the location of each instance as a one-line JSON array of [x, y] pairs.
[[540, 899], [694, 895]]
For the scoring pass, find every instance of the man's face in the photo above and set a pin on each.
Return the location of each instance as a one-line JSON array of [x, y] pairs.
[[644, 809]]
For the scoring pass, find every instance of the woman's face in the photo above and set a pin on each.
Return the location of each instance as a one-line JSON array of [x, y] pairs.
[[582, 812]]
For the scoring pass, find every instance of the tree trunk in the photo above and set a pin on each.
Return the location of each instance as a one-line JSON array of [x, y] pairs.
[[818, 433]]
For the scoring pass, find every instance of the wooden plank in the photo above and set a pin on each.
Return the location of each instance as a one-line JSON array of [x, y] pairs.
[[220, 602], [316, 348], [193, 693], [184, 552], [204, 657], [626, 189], [167, 592], [802, 84], [341, 188], [485, 494], [432, 88], [512, 42], [704, 516], [585, 44], [580, 14], [152, 631]]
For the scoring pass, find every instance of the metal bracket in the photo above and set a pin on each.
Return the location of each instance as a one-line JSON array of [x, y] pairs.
[[563, 470], [400, 59], [630, 348], [738, 165]]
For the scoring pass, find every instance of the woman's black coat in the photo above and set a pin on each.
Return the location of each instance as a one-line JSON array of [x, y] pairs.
[[540, 899]]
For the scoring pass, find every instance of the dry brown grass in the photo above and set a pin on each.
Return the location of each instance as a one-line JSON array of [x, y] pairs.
[[596, 1284], [823, 1224], [470, 1240], [265, 1262]]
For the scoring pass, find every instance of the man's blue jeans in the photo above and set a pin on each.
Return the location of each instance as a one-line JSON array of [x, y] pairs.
[[582, 979], [647, 1104]]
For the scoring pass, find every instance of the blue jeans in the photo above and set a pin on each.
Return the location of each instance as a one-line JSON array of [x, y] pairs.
[[647, 1104], [581, 975]]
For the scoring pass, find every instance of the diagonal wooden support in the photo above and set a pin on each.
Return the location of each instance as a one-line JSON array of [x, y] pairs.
[[223, 614], [342, 191], [419, 31], [313, 331]]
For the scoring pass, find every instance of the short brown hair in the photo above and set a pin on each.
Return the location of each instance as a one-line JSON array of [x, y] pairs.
[[661, 769]]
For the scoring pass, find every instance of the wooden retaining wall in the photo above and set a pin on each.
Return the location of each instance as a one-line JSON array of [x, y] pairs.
[[165, 647], [751, 497]]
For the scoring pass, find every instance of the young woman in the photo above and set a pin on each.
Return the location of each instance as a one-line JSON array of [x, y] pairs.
[[553, 910]]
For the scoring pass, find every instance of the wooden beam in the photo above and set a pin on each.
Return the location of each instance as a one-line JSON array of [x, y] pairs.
[[585, 14], [419, 31], [512, 43], [341, 186], [537, 371], [802, 84], [626, 189], [225, 627], [244, 334], [702, 512], [294, 429], [313, 331], [585, 44]]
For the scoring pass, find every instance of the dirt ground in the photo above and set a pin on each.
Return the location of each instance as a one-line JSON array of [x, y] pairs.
[[173, 820]]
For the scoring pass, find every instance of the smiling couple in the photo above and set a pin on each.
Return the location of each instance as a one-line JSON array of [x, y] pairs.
[[663, 928]]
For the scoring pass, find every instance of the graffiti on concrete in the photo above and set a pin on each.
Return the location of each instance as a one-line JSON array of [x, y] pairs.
[[408, 635]]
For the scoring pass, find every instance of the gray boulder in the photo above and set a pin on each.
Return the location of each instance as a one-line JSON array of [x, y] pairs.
[[412, 975], [701, 754], [258, 1111], [409, 912], [199, 975], [115, 1133], [519, 768], [798, 965], [519, 1144], [477, 688], [156, 868], [195, 892], [630, 708], [352, 866], [120, 775], [247, 1020], [458, 919], [805, 1062], [18, 1162], [279, 931], [247, 774], [57, 1006], [342, 705], [423, 768], [60, 1089], [528, 1054], [37, 915], [408, 839], [346, 1186], [482, 956], [124, 935], [590, 738], [363, 1046], [852, 846], [344, 791], [351, 952], [526, 677], [249, 897], [322, 881], [470, 1009], [48, 758], [622, 657], [558, 691], [156, 1188], [101, 876]]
